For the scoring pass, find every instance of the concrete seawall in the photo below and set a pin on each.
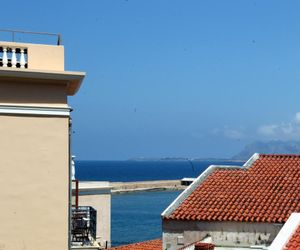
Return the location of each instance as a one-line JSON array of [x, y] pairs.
[[121, 187]]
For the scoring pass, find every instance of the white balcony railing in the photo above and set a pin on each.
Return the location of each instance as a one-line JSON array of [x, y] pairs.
[[13, 57]]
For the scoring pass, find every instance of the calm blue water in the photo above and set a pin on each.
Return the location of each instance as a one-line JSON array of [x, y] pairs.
[[136, 216], [141, 170]]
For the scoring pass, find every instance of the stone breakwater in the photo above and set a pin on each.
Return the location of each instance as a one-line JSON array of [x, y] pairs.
[[138, 186]]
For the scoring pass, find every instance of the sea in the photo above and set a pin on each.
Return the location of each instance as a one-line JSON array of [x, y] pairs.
[[136, 216]]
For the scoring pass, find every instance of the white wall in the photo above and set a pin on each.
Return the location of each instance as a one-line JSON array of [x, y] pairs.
[[222, 233], [98, 196]]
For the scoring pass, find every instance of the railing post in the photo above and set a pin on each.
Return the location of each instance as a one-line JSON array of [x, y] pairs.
[[13, 58], [22, 59], [4, 58]]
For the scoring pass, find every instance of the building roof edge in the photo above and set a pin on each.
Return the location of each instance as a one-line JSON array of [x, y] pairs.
[[201, 178], [286, 232]]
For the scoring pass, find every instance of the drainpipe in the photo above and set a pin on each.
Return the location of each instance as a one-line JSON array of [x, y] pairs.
[[70, 184]]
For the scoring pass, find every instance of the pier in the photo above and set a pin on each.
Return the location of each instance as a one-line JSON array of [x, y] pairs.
[[138, 186]]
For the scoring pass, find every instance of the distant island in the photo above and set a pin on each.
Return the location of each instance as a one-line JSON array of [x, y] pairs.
[[266, 147], [269, 147], [184, 159], [158, 159]]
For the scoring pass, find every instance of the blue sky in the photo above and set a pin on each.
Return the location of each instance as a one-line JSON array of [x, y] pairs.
[[175, 78]]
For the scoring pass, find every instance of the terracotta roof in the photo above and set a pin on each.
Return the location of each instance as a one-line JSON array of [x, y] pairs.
[[294, 242], [145, 245], [267, 191]]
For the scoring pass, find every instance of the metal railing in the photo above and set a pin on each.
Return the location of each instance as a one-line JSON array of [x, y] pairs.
[[14, 32], [84, 223]]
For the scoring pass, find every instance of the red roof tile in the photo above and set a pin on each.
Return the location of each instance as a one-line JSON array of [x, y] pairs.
[[145, 245], [294, 242], [267, 191]]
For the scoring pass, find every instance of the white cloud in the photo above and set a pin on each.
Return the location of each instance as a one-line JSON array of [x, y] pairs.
[[289, 130], [297, 117], [268, 129], [284, 131], [231, 133]]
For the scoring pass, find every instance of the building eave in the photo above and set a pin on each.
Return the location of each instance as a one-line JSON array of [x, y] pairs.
[[72, 79]]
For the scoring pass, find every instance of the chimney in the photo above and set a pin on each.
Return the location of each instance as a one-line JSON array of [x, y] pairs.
[[204, 246]]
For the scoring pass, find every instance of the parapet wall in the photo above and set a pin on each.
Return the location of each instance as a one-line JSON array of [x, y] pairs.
[[36, 56]]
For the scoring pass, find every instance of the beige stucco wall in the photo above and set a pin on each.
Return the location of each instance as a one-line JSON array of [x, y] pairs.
[[230, 234], [34, 183], [16, 92]]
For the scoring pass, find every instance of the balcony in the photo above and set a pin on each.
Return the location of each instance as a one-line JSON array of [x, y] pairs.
[[83, 226], [30, 56]]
